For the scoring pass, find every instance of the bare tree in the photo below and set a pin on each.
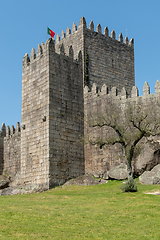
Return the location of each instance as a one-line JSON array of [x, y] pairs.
[[128, 122]]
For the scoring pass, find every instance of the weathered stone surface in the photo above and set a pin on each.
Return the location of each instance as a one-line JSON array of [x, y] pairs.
[[4, 182], [151, 177], [1, 154], [2, 135], [12, 151], [86, 179], [96, 175], [119, 172], [21, 189], [53, 115], [106, 175], [147, 159]]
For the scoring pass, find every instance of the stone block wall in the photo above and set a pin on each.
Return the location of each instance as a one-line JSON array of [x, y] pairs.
[[52, 117], [66, 113], [35, 118], [12, 151], [110, 61], [1, 154], [2, 135], [98, 161], [74, 38]]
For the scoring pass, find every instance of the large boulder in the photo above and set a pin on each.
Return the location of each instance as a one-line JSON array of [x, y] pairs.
[[151, 177], [4, 182], [118, 172], [147, 159]]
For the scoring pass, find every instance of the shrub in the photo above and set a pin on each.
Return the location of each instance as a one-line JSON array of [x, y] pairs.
[[129, 186]]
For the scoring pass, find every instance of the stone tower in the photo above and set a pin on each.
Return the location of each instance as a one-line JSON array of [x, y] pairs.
[[52, 117]]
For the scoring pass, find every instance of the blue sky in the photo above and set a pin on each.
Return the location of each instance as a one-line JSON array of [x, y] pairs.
[[23, 26]]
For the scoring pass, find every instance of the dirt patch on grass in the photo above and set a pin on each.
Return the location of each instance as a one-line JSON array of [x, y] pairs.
[[153, 192]]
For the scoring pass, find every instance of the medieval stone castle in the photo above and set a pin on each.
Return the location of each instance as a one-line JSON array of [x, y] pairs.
[[61, 84]]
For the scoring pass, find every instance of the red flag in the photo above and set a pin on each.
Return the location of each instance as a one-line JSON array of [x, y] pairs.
[[50, 32]]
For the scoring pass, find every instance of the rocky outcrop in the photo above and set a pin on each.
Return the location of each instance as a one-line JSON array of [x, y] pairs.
[[21, 189], [119, 172], [86, 179], [151, 177], [147, 159]]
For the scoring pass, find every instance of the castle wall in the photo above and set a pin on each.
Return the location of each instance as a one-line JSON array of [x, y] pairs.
[[55, 108], [66, 113], [1, 154], [99, 161], [35, 118], [12, 151], [2, 135]]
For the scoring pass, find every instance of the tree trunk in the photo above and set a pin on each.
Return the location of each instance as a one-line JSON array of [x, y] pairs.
[[129, 169], [128, 163]]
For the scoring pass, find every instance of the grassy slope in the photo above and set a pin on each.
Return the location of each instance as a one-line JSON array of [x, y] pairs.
[[78, 212]]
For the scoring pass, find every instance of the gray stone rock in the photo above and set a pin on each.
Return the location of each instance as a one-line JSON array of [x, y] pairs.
[[96, 175], [86, 179], [119, 172], [4, 182], [105, 176], [21, 189], [147, 159], [146, 178], [103, 181], [156, 170], [151, 177]]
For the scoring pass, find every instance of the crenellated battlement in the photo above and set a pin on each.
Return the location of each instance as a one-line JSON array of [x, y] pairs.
[[3, 130], [59, 40], [49, 45], [82, 24], [41, 49], [10, 132], [121, 95]]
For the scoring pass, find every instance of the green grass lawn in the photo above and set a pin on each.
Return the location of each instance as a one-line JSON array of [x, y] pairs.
[[82, 212]]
